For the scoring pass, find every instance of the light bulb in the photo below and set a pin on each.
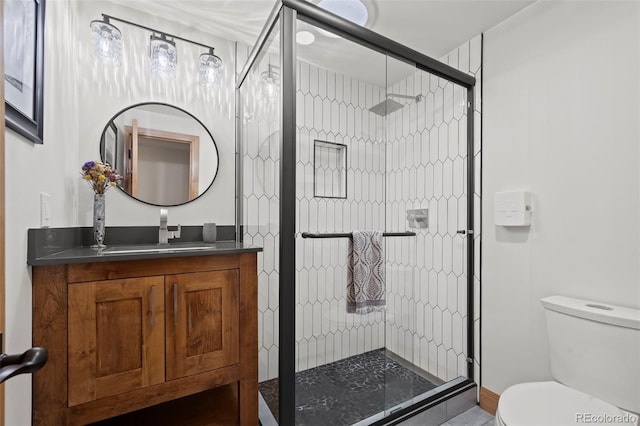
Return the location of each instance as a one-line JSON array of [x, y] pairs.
[[107, 42], [269, 90], [210, 69], [270, 81], [164, 57]]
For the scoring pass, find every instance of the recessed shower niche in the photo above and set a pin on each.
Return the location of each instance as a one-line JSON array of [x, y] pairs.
[[329, 170]]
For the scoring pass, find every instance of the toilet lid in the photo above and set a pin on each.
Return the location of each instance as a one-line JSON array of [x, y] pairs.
[[551, 404]]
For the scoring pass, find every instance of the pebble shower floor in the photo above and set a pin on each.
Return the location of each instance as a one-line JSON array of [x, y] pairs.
[[347, 391]]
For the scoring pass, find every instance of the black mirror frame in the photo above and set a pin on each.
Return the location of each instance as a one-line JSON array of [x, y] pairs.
[[32, 129], [215, 146]]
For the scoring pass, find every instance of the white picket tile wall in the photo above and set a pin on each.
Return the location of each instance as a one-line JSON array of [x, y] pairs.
[[333, 107], [426, 278], [418, 155], [261, 161]]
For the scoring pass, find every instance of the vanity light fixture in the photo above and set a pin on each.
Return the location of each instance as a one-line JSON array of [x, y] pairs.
[[164, 56], [210, 69], [270, 81], [107, 46], [107, 41]]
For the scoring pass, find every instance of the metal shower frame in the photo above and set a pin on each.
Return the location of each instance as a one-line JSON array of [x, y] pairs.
[[285, 13]]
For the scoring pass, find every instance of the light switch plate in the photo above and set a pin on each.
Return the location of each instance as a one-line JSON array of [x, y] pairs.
[[513, 208], [45, 210]]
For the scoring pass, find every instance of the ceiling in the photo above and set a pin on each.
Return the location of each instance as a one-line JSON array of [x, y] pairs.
[[433, 27]]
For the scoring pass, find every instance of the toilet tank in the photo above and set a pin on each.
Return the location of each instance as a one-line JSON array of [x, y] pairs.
[[595, 348]]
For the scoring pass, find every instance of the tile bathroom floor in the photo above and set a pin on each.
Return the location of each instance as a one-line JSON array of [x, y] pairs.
[[347, 391], [475, 416]]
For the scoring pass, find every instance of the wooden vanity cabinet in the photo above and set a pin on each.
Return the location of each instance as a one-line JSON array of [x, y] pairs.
[[201, 322], [127, 335], [116, 337]]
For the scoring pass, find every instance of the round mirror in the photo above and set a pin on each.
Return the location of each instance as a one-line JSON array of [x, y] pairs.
[[165, 155]]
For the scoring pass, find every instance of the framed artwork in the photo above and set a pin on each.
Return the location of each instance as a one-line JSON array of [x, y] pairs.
[[110, 145], [24, 67]]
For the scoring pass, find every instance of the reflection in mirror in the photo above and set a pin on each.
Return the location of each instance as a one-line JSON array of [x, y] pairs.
[[166, 156]]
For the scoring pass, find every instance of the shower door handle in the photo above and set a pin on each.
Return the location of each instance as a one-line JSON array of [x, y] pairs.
[[464, 231]]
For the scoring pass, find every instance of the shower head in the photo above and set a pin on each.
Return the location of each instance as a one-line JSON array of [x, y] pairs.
[[416, 98], [386, 107]]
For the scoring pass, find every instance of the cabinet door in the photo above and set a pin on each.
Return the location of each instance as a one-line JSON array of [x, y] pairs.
[[201, 322], [116, 337]]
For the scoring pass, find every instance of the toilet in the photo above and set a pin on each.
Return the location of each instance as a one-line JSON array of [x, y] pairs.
[[594, 353]]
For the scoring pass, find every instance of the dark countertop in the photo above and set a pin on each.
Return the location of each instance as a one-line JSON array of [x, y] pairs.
[[57, 246], [89, 255]]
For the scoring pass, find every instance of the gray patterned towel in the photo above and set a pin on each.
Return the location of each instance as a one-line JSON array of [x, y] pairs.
[[365, 279]]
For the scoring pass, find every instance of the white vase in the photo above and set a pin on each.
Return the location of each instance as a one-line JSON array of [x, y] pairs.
[[98, 220]]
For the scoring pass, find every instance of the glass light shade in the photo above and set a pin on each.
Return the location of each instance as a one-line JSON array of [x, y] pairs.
[[210, 70], [164, 57], [351, 10], [107, 42], [270, 82]]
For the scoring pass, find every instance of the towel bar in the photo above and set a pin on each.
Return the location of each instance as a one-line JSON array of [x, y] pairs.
[[349, 235]]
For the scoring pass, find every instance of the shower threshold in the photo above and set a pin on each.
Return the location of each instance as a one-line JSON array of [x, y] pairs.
[[354, 389]]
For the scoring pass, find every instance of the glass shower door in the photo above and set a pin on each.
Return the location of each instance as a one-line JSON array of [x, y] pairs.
[[340, 188], [383, 150], [258, 115], [427, 275], [379, 146]]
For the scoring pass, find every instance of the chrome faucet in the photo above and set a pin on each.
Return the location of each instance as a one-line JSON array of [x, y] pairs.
[[164, 234]]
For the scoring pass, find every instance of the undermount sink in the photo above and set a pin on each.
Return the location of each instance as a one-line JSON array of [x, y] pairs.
[[157, 248]]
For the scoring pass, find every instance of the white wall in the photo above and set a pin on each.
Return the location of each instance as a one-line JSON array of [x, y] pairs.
[[30, 169], [104, 91], [561, 119], [78, 104]]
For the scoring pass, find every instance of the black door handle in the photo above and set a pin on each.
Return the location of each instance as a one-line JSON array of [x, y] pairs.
[[27, 363]]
